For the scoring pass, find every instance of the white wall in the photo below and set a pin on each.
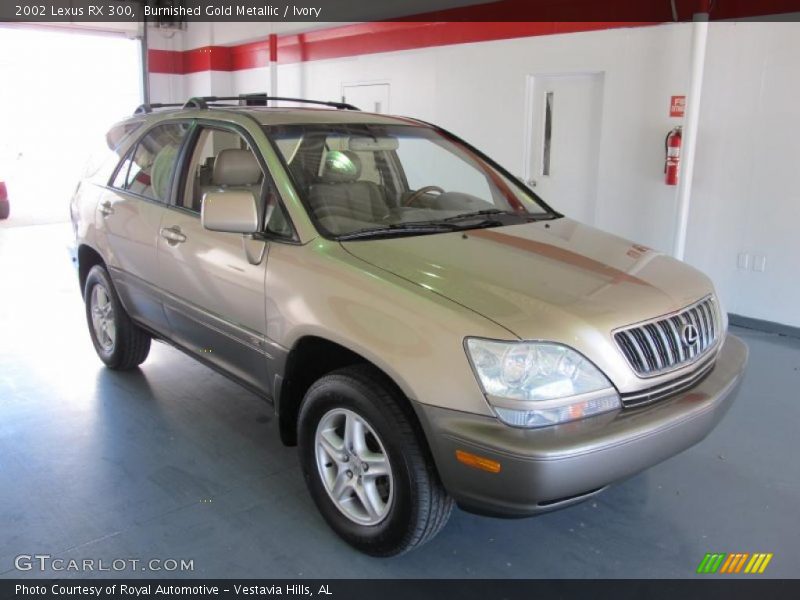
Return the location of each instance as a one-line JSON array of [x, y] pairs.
[[748, 148], [747, 177], [478, 92]]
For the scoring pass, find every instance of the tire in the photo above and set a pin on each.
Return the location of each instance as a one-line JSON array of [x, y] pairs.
[[5, 210], [121, 344], [412, 506]]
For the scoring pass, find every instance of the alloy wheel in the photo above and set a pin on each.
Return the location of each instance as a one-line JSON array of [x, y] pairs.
[[103, 321], [354, 467]]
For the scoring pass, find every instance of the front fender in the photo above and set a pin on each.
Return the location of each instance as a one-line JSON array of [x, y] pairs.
[[412, 334]]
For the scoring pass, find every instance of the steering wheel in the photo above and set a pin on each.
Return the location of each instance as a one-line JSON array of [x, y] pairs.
[[421, 192]]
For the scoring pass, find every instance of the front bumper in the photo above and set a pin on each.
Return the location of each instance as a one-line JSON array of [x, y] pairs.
[[548, 468]]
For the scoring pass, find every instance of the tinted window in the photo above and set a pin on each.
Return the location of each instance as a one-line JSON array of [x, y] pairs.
[[148, 170], [362, 177], [223, 160], [237, 168], [122, 172]]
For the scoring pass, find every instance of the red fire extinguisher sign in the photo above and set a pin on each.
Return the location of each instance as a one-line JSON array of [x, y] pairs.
[[677, 106]]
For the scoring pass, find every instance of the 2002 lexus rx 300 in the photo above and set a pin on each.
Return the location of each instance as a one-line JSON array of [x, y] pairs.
[[428, 330]]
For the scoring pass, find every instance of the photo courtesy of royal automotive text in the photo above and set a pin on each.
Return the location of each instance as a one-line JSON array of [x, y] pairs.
[[430, 299]]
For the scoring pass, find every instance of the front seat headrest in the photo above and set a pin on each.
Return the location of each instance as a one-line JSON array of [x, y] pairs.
[[236, 167], [341, 166]]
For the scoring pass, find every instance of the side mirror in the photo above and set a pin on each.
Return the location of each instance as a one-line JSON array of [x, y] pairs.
[[231, 211]]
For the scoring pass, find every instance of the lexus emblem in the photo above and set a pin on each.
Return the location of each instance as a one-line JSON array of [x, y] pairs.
[[689, 334]]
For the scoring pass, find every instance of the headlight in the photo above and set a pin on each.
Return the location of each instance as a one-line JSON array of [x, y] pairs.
[[534, 384]]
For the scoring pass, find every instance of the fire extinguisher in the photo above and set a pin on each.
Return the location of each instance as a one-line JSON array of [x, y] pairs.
[[672, 151]]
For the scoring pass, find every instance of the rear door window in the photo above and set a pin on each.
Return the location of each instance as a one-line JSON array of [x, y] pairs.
[[149, 168]]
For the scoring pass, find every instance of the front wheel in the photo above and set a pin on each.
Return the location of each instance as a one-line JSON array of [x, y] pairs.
[[118, 341], [367, 466]]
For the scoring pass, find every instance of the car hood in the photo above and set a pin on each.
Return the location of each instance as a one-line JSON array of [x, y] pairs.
[[558, 280]]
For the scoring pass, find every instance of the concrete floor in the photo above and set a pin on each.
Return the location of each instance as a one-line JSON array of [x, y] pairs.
[[175, 461]]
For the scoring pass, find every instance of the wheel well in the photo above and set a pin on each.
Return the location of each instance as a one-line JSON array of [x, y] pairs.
[[87, 258], [311, 358]]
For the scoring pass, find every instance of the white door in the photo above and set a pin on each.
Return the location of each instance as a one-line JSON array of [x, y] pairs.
[[369, 97], [563, 133]]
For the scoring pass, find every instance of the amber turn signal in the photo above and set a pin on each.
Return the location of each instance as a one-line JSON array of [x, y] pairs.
[[478, 462]]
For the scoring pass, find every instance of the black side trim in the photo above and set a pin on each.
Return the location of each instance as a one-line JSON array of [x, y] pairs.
[[199, 358]]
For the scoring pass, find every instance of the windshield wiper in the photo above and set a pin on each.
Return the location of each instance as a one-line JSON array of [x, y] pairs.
[[496, 211], [478, 213], [439, 225], [398, 229]]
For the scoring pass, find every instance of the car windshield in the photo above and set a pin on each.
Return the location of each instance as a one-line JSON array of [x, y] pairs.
[[363, 181]]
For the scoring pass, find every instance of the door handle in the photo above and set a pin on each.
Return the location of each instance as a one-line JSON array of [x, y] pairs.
[[106, 209], [173, 235]]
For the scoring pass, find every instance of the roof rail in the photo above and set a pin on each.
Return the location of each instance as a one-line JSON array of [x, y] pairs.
[[143, 109], [260, 99]]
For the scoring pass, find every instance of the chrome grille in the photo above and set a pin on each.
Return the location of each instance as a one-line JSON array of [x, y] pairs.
[[660, 345], [670, 388]]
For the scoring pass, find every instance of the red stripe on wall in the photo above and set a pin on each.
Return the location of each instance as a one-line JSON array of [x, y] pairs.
[[165, 61], [454, 26], [210, 58], [207, 58], [373, 38], [250, 56], [355, 40]]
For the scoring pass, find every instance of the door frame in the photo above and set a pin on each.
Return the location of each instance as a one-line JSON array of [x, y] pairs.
[[387, 82], [246, 342], [533, 86]]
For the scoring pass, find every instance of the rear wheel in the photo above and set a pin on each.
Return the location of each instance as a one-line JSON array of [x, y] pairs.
[[118, 341], [366, 464]]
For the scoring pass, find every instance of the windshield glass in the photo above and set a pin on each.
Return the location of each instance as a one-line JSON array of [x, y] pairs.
[[362, 180]]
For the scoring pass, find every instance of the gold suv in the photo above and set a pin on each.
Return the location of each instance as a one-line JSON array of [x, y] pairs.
[[427, 329]]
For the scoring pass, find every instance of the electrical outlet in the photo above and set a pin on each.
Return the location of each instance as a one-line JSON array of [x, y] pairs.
[[759, 263], [743, 261]]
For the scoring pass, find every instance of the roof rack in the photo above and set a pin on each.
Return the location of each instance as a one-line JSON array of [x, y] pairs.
[[257, 99], [143, 109], [260, 99]]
